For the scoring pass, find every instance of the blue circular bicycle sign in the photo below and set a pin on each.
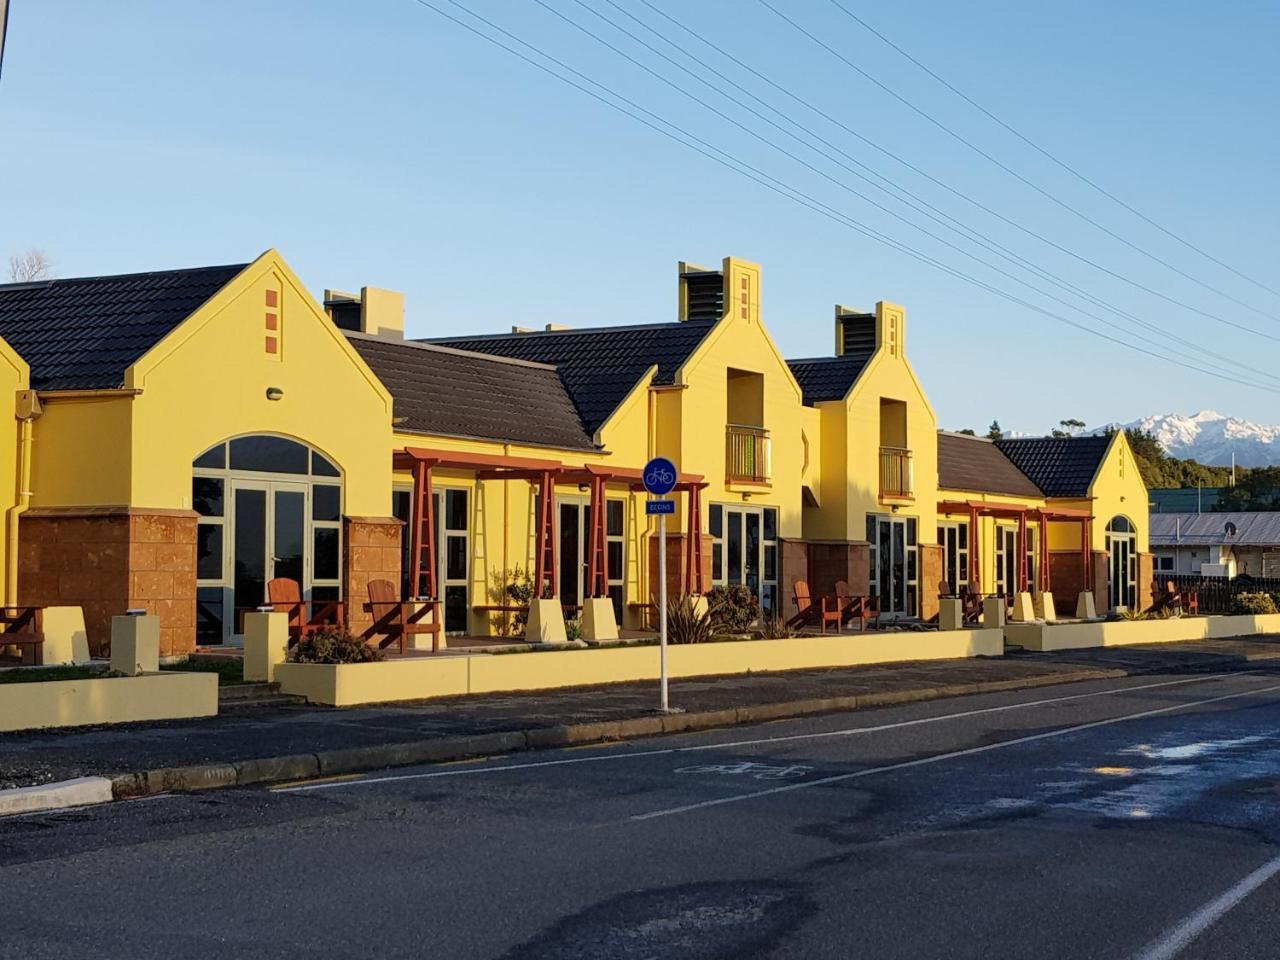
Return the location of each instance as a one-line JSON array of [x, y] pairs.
[[659, 476]]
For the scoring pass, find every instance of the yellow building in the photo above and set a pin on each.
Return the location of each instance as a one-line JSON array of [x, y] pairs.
[[180, 438]]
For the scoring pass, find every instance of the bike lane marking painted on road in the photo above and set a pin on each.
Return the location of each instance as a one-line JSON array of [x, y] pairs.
[[1178, 938], [937, 758], [667, 751]]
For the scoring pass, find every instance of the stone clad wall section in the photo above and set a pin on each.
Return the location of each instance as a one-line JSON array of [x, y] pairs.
[[108, 560], [371, 551]]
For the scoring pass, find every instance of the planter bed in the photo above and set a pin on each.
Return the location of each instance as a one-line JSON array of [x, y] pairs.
[[85, 701], [1079, 635], [346, 685]]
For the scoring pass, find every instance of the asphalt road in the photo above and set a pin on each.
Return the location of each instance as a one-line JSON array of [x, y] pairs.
[[1125, 819]]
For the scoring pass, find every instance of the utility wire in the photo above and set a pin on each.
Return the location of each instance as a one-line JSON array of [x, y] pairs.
[[915, 203], [724, 159], [946, 186], [1009, 170], [1045, 153]]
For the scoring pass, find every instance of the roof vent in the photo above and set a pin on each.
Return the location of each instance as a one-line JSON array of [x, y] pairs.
[[522, 329], [555, 327], [855, 332], [701, 293]]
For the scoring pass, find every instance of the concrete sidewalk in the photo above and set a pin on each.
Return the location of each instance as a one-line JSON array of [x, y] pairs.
[[251, 746]]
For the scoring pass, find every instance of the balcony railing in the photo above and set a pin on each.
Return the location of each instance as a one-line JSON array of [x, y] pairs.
[[896, 473], [748, 454]]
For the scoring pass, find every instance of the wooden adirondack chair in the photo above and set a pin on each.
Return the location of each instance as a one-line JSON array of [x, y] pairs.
[[21, 627], [861, 606], [285, 596], [971, 605], [397, 620], [812, 610]]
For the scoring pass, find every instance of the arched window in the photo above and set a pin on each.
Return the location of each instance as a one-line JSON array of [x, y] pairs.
[[270, 507], [1122, 562]]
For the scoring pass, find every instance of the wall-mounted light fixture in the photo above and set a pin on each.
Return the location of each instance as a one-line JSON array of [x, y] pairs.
[[275, 393]]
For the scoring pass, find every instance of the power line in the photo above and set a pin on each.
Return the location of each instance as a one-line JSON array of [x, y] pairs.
[[1057, 160], [1009, 170], [946, 186], [724, 159], [960, 229]]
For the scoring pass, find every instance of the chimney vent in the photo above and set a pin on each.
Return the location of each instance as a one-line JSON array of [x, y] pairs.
[[701, 293], [855, 332]]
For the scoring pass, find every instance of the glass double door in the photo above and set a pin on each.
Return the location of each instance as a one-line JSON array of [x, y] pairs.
[[1006, 561], [269, 539], [894, 564]]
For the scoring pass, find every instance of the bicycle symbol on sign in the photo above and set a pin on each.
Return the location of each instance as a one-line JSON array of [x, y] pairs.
[[659, 478], [757, 771]]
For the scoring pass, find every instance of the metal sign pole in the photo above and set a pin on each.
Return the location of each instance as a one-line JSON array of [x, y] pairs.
[[662, 606], [660, 478]]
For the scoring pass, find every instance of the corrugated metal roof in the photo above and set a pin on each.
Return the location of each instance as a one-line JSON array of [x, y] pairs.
[[599, 366], [977, 464], [1059, 466], [828, 378], [446, 392], [83, 333], [1251, 529]]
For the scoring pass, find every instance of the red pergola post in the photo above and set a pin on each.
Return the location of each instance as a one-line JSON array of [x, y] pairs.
[[422, 538], [1044, 554], [1022, 551], [975, 550], [1086, 554], [598, 553], [693, 542], [545, 542]]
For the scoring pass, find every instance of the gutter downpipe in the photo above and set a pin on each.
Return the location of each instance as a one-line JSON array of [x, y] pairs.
[[18, 509]]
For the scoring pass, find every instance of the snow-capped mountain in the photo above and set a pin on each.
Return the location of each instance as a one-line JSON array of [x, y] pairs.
[[1211, 438]]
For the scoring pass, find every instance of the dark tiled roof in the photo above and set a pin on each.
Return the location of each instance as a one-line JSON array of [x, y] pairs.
[[1060, 466], [83, 333], [446, 392], [599, 366], [974, 463], [828, 378]]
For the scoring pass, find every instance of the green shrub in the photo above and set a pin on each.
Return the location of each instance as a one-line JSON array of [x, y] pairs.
[[512, 587], [573, 630], [1134, 614], [333, 645], [1254, 603], [775, 628], [685, 622], [732, 609]]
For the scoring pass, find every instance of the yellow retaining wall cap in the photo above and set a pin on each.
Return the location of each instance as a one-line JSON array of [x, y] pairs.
[[74, 703], [1120, 633], [351, 684]]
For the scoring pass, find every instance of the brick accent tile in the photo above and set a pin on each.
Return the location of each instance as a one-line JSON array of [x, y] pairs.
[[142, 557], [150, 586], [174, 557]]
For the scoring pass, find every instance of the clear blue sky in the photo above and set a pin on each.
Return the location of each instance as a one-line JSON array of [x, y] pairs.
[[378, 144]]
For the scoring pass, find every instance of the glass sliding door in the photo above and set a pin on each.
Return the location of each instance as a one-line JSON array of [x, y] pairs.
[[894, 564], [744, 551]]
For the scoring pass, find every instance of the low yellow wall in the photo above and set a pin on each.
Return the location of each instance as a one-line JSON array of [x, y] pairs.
[[75, 703], [1120, 633], [351, 684], [345, 685]]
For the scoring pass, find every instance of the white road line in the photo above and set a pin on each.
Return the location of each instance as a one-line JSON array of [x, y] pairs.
[[872, 771], [638, 754], [1174, 941]]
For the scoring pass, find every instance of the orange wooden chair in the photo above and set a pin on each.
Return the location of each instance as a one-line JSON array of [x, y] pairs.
[[397, 620], [862, 606], [305, 618], [812, 610]]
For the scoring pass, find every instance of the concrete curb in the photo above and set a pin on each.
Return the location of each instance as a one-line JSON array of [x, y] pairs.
[[352, 760], [79, 792]]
